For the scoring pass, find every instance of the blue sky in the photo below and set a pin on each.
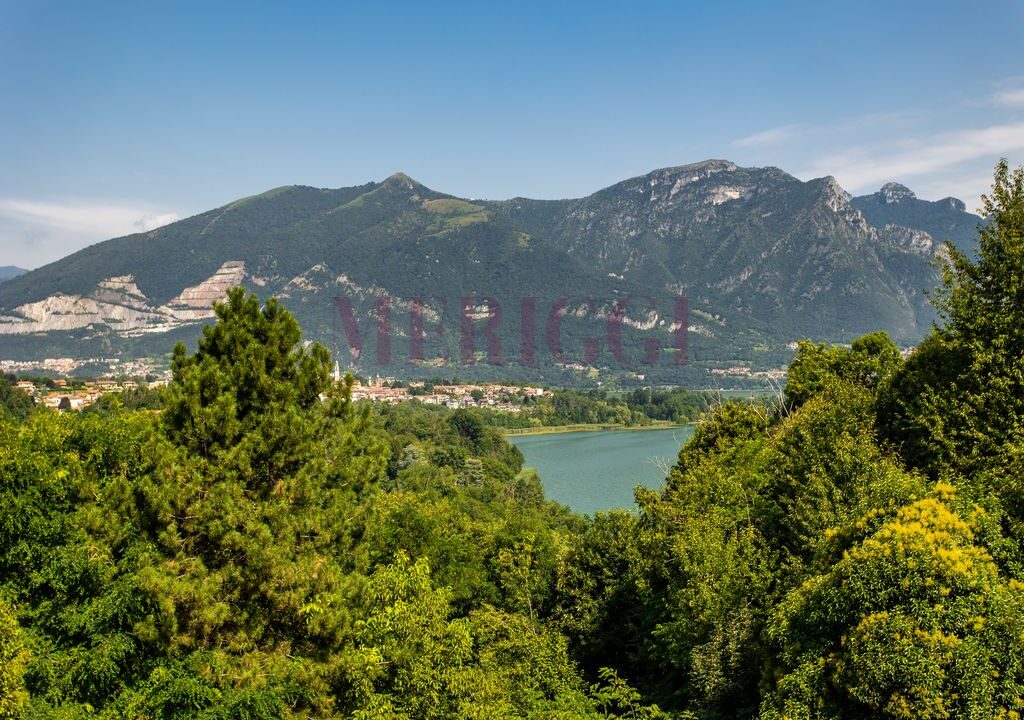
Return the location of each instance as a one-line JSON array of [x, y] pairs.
[[118, 117]]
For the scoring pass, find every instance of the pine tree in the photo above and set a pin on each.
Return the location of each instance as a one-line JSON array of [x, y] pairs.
[[244, 398], [473, 474]]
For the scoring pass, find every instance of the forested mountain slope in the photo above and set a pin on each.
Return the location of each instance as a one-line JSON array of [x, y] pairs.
[[763, 259]]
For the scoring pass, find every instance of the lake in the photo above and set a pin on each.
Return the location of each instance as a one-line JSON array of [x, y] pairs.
[[590, 471]]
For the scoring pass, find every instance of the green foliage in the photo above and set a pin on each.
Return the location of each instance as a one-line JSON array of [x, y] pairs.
[[243, 399], [254, 504], [13, 698], [722, 428], [826, 471], [461, 501], [615, 695], [140, 398], [14, 403], [677, 405], [409, 656], [576, 407], [796, 564], [868, 363], [914, 621], [413, 660], [67, 557], [253, 552], [960, 398]]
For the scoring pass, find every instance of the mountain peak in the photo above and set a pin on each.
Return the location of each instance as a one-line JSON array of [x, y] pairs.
[[834, 194], [955, 203], [893, 192], [400, 178], [681, 175], [707, 166]]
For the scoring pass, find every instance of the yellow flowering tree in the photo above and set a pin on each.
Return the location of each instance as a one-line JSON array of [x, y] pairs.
[[914, 621]]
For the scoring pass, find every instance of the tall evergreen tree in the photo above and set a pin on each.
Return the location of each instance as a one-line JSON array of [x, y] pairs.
[[243, 400]]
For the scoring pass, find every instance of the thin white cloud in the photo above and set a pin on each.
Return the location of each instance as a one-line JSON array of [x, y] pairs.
[[34, 232], [871, 165], [152, 222], [104, 220], [1009, 98], [967, 184], [772, 136], [827, 132]]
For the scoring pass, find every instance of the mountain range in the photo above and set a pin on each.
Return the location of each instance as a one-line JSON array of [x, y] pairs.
[[762, 258]]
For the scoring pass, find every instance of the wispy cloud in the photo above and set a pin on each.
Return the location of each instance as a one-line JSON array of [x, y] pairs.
[[847, 127], [772, 136], [34, 232], [1009, 98], [152, 222], [930, 155]]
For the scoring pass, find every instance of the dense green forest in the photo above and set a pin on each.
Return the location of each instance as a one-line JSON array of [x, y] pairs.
[[255, 551]]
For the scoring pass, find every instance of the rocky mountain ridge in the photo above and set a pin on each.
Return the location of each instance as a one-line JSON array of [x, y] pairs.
[[762, 257]]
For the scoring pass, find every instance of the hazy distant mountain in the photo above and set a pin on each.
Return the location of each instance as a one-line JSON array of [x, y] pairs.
[[763, 258], [945, 219], [10, 271]]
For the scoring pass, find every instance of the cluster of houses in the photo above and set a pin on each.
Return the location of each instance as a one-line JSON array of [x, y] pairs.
[[68, 394], [745, 371], [508, 398], [67, 366], [75, 396]]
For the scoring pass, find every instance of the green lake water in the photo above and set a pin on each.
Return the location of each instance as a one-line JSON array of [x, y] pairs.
[[590, 471]]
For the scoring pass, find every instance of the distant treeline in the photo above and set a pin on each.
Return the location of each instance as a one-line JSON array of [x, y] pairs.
[[601, 407]]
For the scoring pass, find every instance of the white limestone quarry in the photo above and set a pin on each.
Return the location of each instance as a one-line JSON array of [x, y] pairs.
[[121, 290], [73, 312], [196, 302], [355, 289], [119, 304]]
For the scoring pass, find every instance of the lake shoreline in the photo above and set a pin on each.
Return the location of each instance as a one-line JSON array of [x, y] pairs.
[[591, 427]]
